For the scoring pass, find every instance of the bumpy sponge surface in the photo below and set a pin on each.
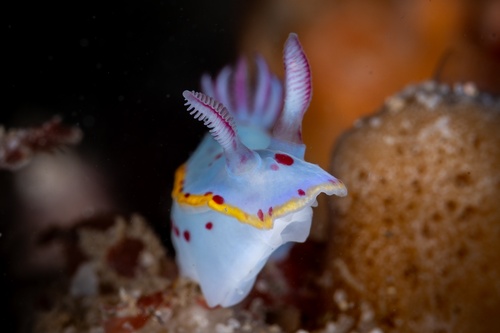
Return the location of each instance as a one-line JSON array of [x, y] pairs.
[[418, 237]]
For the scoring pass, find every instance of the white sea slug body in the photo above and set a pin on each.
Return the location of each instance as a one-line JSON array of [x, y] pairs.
[[246, 190]]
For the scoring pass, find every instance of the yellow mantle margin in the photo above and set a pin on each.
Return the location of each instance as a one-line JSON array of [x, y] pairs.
[[252, 219]]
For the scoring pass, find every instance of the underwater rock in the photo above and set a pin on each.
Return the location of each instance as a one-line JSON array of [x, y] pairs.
[[417, 239], [121, 280]]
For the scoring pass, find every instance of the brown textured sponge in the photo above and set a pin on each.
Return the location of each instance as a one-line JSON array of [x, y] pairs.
[[417, 240]]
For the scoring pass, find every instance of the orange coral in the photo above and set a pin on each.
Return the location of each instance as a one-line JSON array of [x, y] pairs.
[[362, 51]]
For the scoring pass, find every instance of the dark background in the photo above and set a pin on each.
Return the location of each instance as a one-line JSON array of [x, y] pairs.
[[117, 71]]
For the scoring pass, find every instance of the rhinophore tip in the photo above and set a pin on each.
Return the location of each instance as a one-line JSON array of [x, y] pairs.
[[298, 92], [239, 158]]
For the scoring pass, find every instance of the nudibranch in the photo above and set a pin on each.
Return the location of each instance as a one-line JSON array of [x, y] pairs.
[[246, 190]]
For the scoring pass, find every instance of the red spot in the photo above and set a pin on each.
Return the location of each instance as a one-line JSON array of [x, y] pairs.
[[301, 192], [187, 195], [123, 257], [174, 228], [218, 199], [274, 167], [209, 225], [270, 211], [283, 159], [200, 300], [208, 193], [187, 236], [260, 214], [151, 300], [218, 156], [243, 158]]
